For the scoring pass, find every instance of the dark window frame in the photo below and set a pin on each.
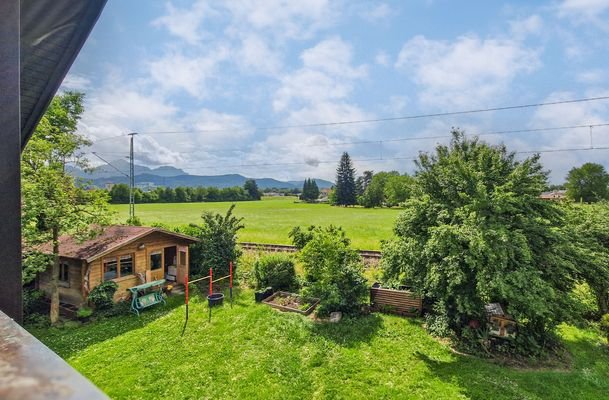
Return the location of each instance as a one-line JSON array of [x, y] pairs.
[[118, 272]]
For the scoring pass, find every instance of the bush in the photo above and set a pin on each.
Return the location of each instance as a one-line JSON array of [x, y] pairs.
[[34, 302], [102, 295], [84, 312], [604, 325], [333, 272], [217, 245], [276, 271]]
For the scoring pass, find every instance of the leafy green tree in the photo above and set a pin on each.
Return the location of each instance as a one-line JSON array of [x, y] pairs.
[[374, 196], [476, 232], [588, 183], [119, 193], [52, 203], [217, 245], [588, 228], [251, 188], [397, 189], [181, 195], [345, 182], [333, 271], [362, 182]]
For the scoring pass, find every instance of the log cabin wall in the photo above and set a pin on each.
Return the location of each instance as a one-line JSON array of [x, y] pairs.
[[70, 291], [156, 241]]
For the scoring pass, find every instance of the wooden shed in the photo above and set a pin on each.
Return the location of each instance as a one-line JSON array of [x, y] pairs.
[[127, 255]]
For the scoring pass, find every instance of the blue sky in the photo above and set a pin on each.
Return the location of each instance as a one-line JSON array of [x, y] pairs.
[[218, 72]]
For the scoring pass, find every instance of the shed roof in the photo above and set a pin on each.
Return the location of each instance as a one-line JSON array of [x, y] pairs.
[[111, 238]]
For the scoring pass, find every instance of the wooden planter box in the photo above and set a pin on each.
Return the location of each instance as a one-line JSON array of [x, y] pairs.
[[269, 301], [402, 302]]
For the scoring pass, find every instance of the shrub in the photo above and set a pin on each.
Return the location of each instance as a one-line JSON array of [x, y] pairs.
[[276, 271], [217, 245], [333, 272], [604, 325], [84, 312], [102, 295], [34, 302]]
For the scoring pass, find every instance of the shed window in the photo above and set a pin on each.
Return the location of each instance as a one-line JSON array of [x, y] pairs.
[[64, 276], [110, 268], [126, 265], [156, 260]]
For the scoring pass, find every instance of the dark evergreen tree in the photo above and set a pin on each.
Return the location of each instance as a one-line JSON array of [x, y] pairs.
[[251, 187], [310, 191], [314, 189], [345, 182]]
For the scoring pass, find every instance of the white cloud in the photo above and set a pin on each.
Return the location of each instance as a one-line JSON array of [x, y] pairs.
[[176, 71], [257, 56], [75, 82], [376, 12], [583, 9], [592, 76], [382, 58], [184, 23], [466, 72], [521, 28], [326, 75]]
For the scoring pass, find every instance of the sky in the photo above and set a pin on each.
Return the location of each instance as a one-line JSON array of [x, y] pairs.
[[221, 87]]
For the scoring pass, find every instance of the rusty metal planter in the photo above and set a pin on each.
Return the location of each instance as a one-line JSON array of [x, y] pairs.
[[269, 301]]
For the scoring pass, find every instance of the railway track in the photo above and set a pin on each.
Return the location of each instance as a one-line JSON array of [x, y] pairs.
[[367, 255]]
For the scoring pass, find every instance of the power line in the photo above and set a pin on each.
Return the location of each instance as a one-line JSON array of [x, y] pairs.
[[314, 163], [98, 156], [386, 119]]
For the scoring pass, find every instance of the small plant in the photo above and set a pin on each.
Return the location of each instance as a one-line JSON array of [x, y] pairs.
[[276, 271], [604, 325], [84, 313], [102, 295]]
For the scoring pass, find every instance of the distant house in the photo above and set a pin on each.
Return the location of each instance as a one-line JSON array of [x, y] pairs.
[[127, 255], [554, 195]]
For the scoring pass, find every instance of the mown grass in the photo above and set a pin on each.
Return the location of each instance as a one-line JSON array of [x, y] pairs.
[[270, 220], [251, 351]]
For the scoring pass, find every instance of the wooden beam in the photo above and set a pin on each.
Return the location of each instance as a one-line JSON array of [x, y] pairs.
[[10, 152]]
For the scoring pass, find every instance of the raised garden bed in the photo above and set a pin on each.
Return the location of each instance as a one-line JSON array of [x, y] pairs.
[[286, 301], [402, 302]]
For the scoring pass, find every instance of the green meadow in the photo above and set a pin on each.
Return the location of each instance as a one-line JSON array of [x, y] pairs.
[[270, 220]]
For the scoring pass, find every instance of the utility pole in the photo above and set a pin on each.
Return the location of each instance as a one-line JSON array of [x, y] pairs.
[[131, 179]]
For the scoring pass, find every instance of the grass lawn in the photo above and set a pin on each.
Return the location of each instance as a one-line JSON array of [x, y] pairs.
[[254, 352], [270, 220]]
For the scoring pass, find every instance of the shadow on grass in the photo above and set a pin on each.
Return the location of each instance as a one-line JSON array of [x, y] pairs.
[[478, 378], [67, 341], [350, 331]]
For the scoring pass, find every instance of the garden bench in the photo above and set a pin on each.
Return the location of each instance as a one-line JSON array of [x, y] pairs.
[[140, 299]]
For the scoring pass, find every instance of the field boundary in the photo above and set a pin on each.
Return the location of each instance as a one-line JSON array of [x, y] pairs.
[[367, 255]]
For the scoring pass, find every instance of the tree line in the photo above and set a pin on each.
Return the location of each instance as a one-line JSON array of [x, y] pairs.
[[119, 194]]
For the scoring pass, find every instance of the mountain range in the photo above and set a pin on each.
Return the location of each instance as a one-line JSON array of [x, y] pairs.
[[174, 177]]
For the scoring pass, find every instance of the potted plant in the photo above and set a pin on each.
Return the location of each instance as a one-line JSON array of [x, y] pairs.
[[263, 294], [168, 289], [84, 313]]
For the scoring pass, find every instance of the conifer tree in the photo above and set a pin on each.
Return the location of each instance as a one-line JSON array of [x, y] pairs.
[[345, 182]]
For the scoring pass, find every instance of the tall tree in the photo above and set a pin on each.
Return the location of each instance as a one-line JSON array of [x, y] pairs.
[[374, 196], [310, 191], [362, 182], [53, 204], [477, 232], [588, 183], [251, 188], [345, 182]]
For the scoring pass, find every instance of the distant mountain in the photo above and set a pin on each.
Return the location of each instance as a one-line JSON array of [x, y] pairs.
[[174, 177]]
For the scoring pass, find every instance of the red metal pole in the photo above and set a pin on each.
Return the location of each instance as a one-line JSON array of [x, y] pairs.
[[186, 287], [211, 281]]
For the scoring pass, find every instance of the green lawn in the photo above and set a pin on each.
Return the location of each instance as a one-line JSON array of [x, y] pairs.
[[251, 351], [270, 220]]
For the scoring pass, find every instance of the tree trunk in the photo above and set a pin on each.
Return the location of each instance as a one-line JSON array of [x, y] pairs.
[[54, 315]]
